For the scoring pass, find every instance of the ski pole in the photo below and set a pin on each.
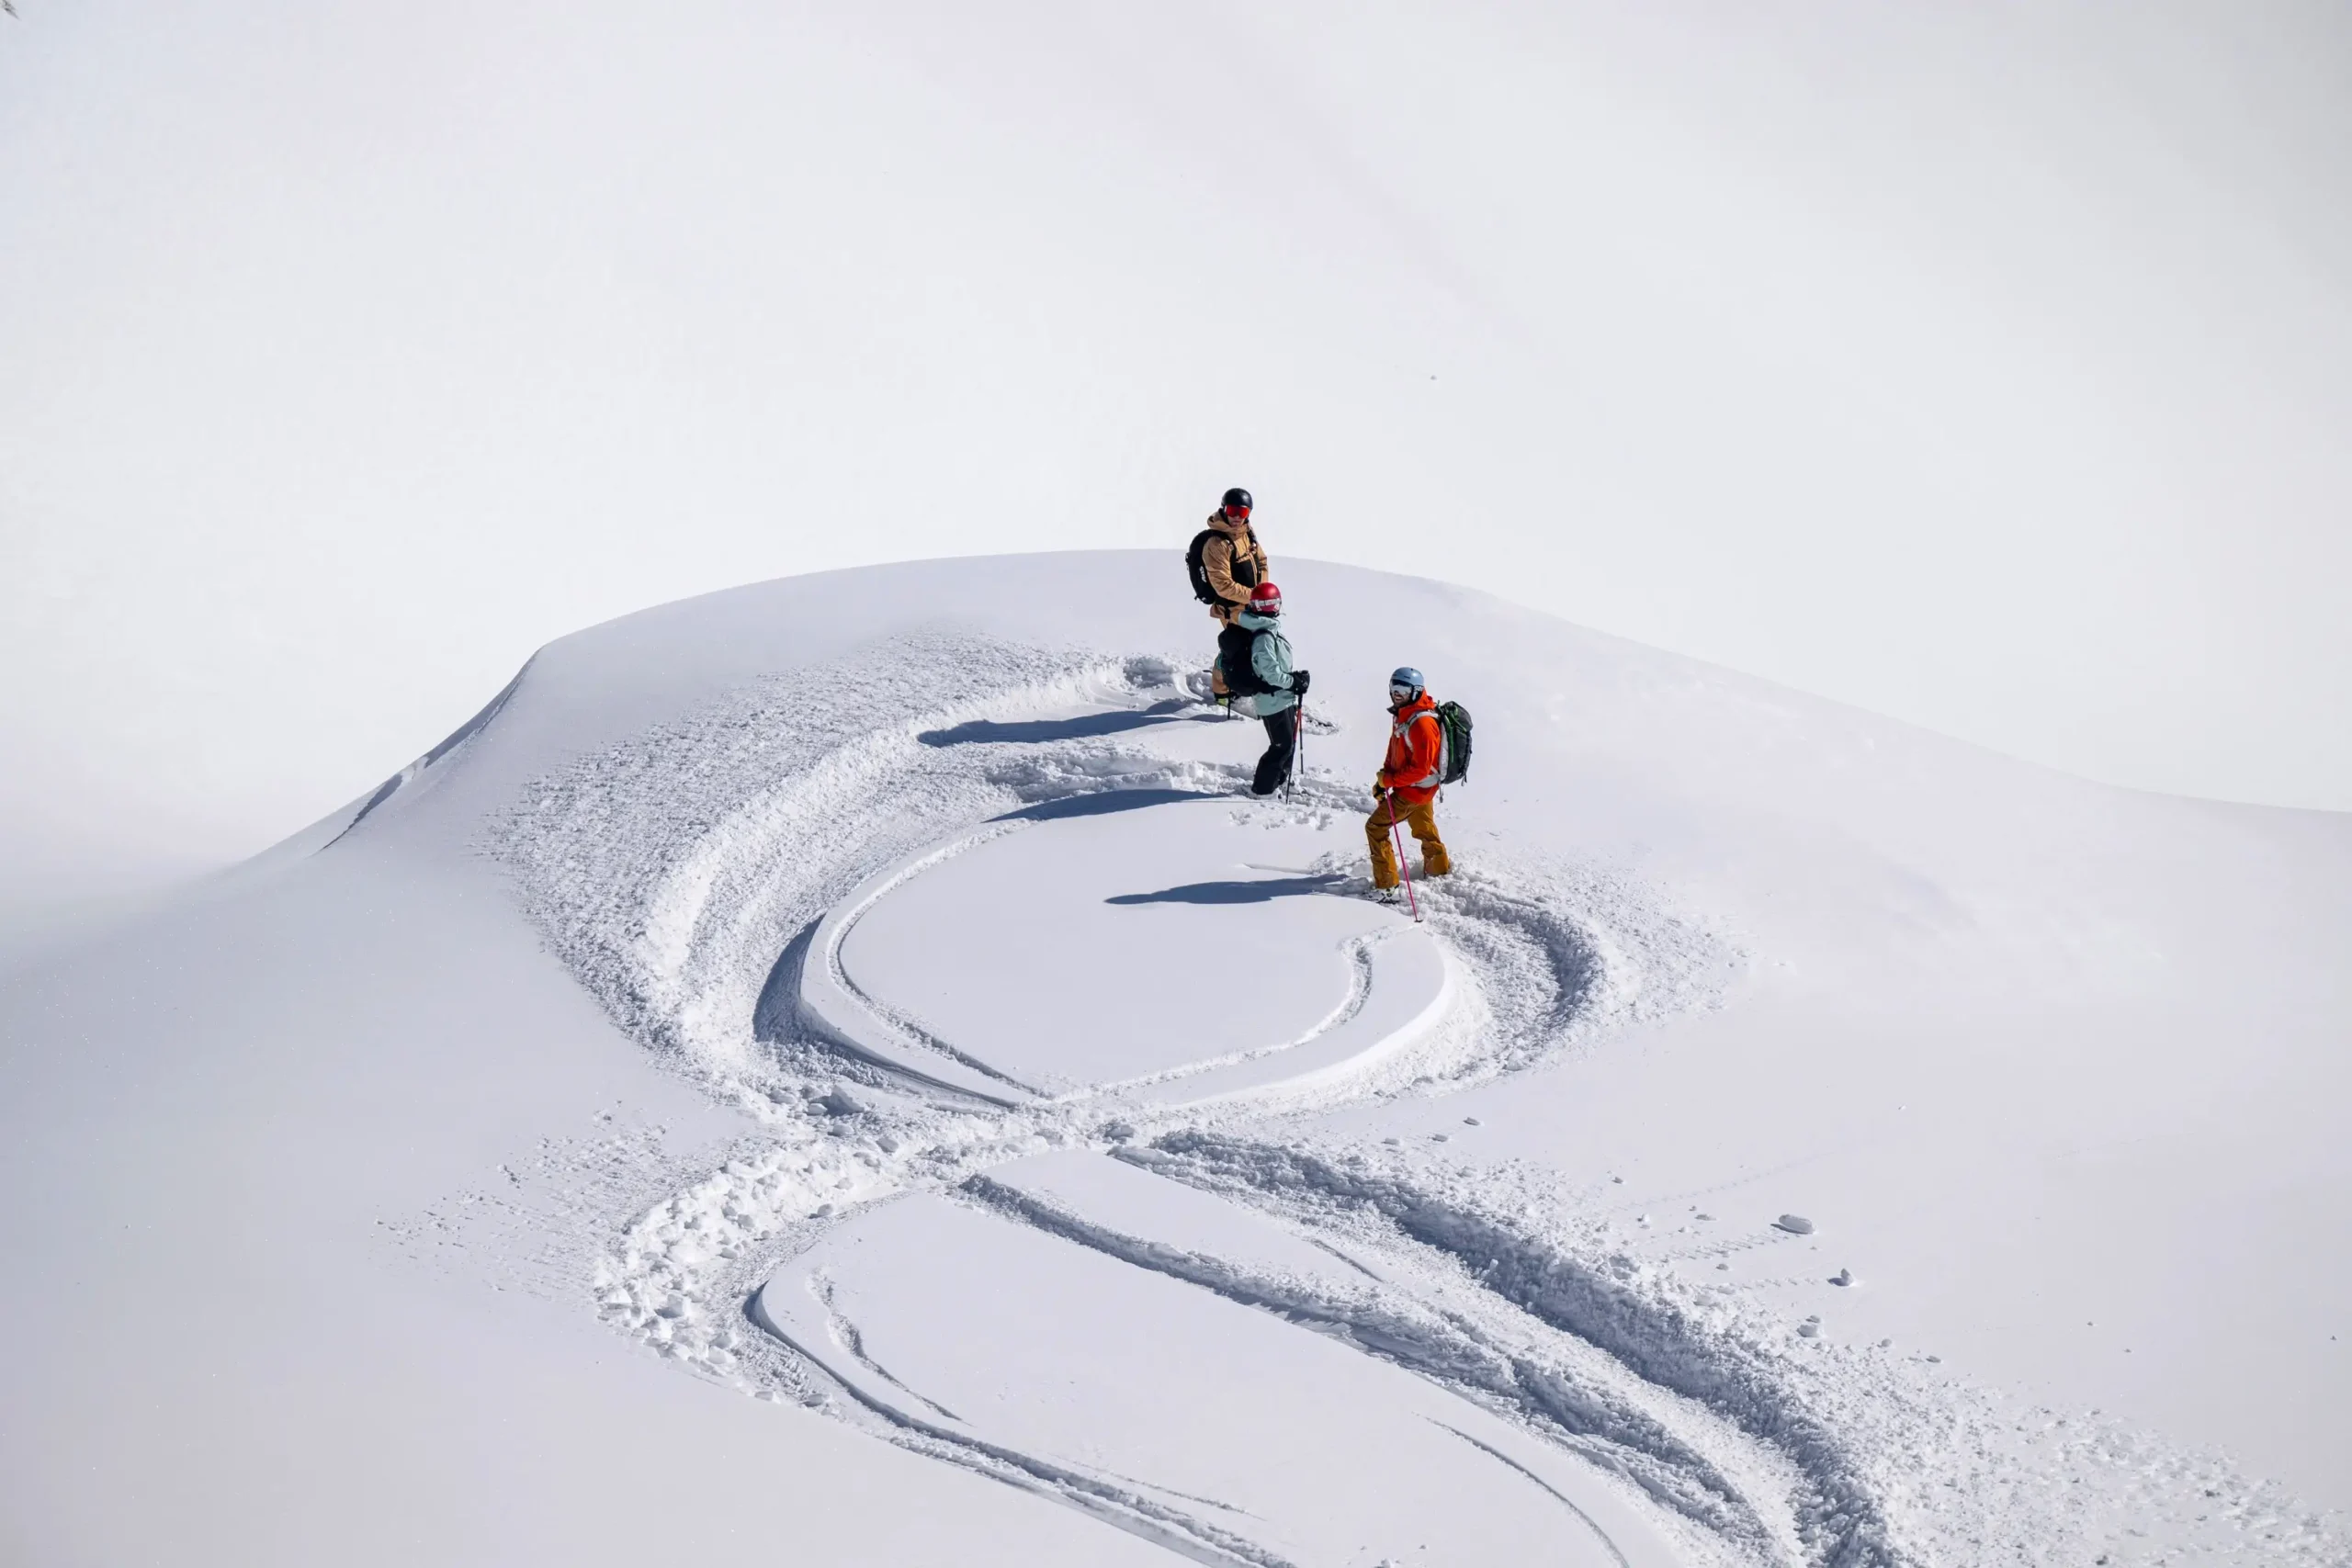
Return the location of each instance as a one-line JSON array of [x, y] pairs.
[[1397, 840], [1297, 747]]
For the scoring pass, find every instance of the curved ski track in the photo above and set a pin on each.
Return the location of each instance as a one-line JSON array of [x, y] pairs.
[[682, 876]]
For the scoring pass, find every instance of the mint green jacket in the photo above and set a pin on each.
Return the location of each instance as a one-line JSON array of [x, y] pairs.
[[1270, 657]]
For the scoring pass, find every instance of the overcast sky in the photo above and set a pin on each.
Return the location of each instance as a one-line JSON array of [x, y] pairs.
[[1986, 365]]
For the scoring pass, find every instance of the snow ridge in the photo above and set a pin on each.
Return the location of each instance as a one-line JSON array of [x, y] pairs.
[[457, 737]]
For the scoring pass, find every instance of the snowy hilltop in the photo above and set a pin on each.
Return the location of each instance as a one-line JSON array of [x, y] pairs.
[[848, 1067]]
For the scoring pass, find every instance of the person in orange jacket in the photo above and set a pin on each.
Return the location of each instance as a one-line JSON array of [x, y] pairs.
[[1405, 789]]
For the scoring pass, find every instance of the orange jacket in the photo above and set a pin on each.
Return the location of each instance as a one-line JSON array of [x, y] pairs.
[[1416, 752]]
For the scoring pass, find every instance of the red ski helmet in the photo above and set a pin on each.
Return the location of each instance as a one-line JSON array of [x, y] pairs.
[[1265, 600]]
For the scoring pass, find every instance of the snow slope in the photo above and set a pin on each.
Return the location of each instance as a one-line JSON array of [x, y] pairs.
[[802, 1054]]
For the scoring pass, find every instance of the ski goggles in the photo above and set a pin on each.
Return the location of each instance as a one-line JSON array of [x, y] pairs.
[[1237, 512]]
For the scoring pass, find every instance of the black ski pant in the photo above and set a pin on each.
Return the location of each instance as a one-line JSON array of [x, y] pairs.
[[1282, 744]]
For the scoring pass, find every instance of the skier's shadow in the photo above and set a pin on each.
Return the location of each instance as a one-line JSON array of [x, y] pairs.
[[1264, 891], [1102, 802], [1037, 731]]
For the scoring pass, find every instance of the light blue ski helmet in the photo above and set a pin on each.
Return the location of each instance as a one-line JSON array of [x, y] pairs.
[[1407, 680]]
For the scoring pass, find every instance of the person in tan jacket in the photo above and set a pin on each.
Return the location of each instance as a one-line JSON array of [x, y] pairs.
[[1232, 560]]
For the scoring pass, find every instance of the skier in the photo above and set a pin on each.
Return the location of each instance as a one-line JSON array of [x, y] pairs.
[[1254, 660], [1232, 560], [1405, 789], [1226, 562]]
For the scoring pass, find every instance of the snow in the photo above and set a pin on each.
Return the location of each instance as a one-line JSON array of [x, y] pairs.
[[844, 1063], [1060, 921], [1051, 1351]]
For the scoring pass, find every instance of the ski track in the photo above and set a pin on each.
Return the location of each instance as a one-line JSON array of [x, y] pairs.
[[681, 875]]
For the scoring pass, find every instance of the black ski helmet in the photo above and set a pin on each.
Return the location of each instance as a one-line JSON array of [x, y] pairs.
[[1235, 496]]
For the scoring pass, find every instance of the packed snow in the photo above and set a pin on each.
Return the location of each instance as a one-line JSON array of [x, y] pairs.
[[859, 1040]]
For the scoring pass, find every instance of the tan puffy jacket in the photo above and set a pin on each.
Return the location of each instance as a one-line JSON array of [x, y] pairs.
[[1233, 562]]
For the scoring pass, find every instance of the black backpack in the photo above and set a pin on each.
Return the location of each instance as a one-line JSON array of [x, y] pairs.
[[1200, 589], [1235, 645], [1453, 728], [1245, 572]]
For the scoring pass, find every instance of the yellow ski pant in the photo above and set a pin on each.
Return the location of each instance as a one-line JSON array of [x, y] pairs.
[[1421, 818]]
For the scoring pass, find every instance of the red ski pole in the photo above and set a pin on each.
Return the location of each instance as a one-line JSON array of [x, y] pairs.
[[1396, 838]]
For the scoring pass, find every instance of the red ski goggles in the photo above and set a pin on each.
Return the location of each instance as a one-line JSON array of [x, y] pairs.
[[1237, 512]]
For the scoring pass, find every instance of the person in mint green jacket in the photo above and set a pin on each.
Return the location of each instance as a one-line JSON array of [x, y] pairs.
[[1266, 678]]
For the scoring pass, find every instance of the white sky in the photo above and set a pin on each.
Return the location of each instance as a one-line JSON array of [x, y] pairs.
[[1986, 365]]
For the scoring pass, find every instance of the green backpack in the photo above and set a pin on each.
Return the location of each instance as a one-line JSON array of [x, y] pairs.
[[1454, 729]]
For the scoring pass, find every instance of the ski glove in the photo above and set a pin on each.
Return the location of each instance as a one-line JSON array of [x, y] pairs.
[[1298, 681]]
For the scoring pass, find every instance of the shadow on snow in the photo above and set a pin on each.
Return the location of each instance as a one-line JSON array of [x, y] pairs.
[[1258, 892], [1033, 732], [1103, 803]]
